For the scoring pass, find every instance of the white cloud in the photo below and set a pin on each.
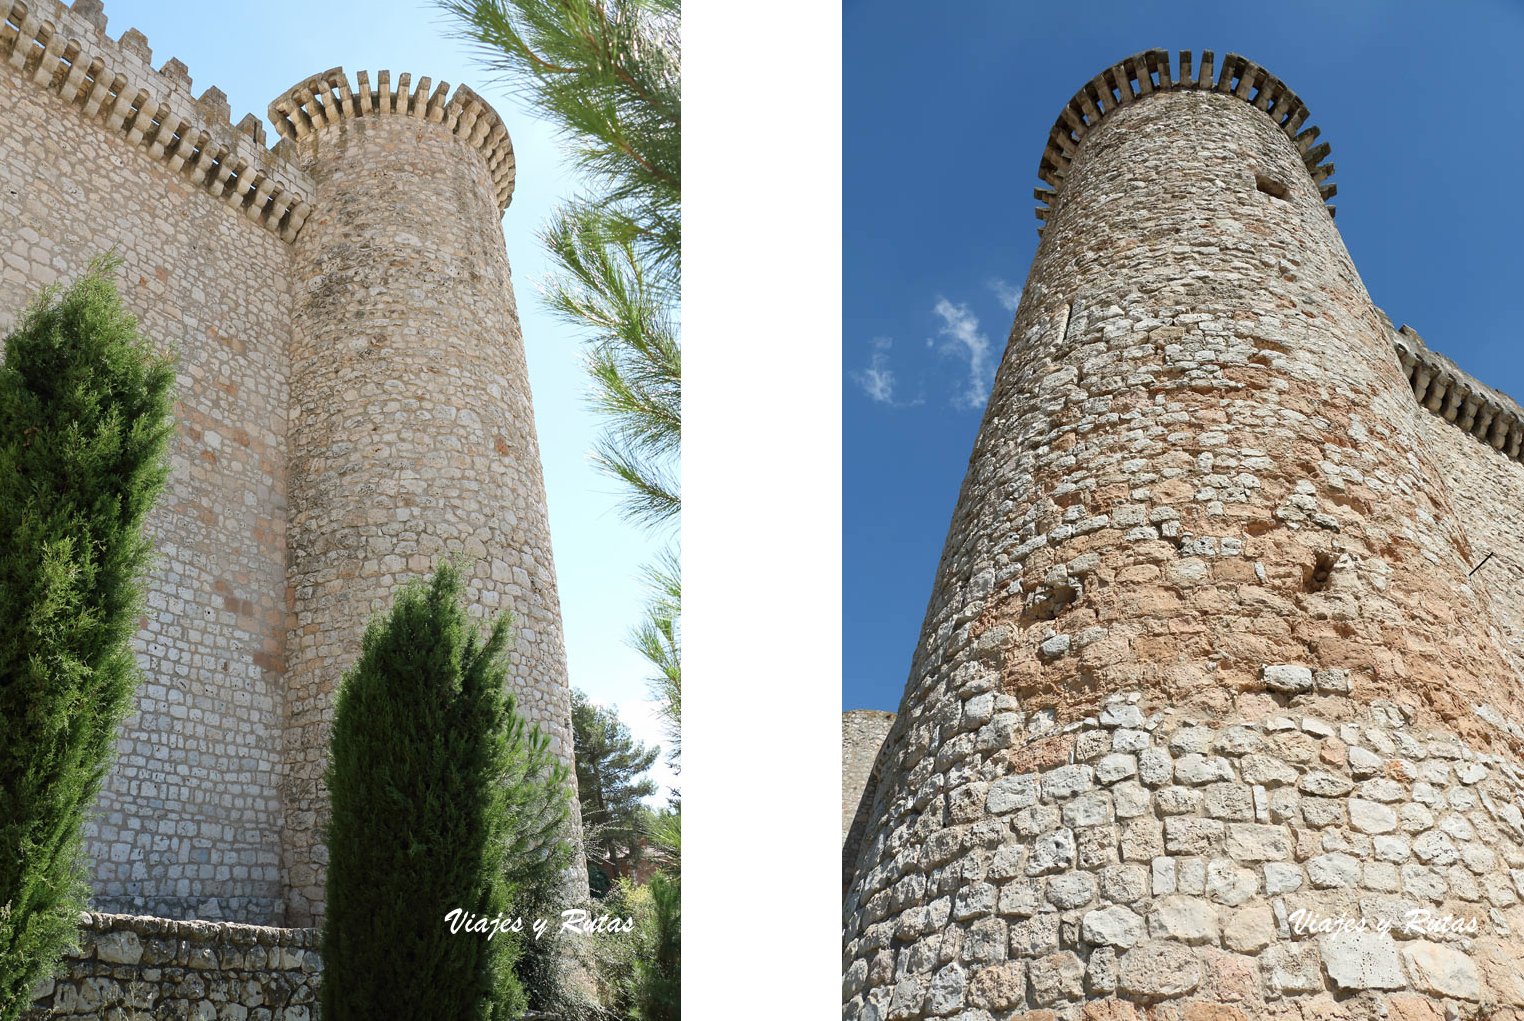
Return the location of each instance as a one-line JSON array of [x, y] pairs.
[[877, 380], [964, 339], [1009, 295]]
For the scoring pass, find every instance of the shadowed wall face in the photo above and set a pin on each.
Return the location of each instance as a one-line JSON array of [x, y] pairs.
[[1202, 650], [862, 738]]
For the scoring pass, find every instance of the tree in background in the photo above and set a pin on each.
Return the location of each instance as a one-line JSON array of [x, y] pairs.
[[85, 421], [439, 792], [608, 74], [611, 785]]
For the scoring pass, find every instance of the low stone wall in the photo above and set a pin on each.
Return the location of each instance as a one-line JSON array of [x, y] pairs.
[[135, 968]]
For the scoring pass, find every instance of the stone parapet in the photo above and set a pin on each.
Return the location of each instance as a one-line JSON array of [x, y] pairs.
[[137, 967], [1445, 389], [1148, 73], [327, 98], [113, 82]]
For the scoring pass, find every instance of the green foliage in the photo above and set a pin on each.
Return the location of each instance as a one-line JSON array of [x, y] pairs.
[[608, 74], [659, 639], [611, 781], [539, 879], [441, 796], [638, 974], [658, 986], [614, 954], [85, 421], [635, 360]]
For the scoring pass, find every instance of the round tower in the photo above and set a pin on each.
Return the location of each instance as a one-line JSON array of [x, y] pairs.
[[1198, 677], [411, 432]]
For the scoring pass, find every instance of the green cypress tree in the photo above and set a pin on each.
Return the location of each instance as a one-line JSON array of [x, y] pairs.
[[85, 421], [437, 785]]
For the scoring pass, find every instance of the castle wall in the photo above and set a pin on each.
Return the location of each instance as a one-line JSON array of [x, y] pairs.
[[862, 738], [412, 427], [862, 735], [385, 336], [1487, 491], [1159, 865], [188, 823], [1201, 482]]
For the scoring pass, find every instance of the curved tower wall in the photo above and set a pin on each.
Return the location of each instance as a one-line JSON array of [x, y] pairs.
[[412, 433], [1202, 649]]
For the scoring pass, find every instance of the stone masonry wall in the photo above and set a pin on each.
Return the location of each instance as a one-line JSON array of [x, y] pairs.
[[378, 351], [1156, 863], [411, 422], [134, 968], [188, 822], [1202, 477], [1487, 491], [862, 735]]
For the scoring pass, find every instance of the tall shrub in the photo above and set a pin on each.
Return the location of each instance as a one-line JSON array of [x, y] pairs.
[[658, 982], [437, 788], [85, 420]]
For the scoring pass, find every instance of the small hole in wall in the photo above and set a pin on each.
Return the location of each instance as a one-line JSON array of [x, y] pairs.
[[1274, 189], [1316, 578]]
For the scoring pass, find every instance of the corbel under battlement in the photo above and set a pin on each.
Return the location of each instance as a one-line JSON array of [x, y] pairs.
[[113, 83], [1143, 74], [328, 98], [1445, 389]]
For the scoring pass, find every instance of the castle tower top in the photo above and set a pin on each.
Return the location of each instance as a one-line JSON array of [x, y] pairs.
[[1144, 74], [327, 98]]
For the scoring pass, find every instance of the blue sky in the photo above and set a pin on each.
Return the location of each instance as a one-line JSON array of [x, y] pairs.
[[255, 51], [945, 112]]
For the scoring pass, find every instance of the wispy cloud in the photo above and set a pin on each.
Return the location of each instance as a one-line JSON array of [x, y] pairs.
[[1008, 294], [960, 327], [877, 380]]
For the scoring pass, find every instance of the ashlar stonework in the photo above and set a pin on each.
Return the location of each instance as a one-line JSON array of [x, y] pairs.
[[353, 407], [1213, 716]]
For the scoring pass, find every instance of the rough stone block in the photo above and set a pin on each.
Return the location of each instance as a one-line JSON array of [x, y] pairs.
[[1356, 961], [1159, 971], [1441, 970]]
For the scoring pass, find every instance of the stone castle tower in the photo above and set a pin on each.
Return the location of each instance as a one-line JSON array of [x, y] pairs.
[[1227, 639], [353, 407]]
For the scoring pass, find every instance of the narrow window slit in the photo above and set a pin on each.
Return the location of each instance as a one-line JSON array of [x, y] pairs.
[[1273, 188]]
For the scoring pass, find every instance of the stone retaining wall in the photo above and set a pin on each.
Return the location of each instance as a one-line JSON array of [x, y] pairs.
[[133, 967]]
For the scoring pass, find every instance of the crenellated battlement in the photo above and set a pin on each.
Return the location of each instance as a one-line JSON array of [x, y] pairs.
[[328, 98], [113, 83], [1446, 390], [1143, 74]]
